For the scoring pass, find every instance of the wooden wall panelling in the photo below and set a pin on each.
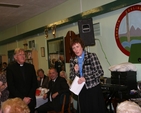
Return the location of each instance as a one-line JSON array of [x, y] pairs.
[[5, 58], [68, 52], [35, 59]]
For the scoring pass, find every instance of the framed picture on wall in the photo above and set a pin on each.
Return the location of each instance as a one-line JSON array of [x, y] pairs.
[[29, 61], [28, 54], [32, 44], [10, 56], [42, 51]]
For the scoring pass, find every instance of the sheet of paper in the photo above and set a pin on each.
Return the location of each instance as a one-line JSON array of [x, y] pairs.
[[75, 87]]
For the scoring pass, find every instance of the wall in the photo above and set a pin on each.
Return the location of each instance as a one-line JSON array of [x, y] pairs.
[[72, 7]]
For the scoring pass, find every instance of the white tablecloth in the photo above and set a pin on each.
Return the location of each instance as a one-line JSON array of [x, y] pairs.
[[40, 101]]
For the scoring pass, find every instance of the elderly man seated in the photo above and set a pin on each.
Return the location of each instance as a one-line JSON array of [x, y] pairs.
[[57, 87]]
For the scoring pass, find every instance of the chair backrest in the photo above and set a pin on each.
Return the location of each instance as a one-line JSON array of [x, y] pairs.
[[65, 101], [63, 104]]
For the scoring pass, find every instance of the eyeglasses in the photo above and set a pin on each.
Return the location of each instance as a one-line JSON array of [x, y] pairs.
[[20, 54]]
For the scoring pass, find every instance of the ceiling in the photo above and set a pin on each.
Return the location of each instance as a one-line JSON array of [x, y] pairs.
[[13, 12]]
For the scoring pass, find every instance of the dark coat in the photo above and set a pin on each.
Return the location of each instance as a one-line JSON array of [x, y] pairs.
[[59, 66], [61, 87], [45, 82], [22, 84]]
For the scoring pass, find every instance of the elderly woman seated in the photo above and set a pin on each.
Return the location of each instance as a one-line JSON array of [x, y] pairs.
[[4, 93], [14, 105], [128, 107]]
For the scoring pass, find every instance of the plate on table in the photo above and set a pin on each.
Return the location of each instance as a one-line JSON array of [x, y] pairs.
[[41, 91], [45, 90]]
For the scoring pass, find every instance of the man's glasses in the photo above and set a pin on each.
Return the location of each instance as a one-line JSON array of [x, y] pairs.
[[20, 54]]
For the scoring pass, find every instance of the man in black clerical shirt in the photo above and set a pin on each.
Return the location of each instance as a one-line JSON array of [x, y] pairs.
[[22, 80]]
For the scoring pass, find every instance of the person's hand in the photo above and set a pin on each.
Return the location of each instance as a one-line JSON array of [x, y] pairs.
[[81, 80], [76, 68], [45, 96], [54, 95], [38, 78], [27, 100], [3, 86]]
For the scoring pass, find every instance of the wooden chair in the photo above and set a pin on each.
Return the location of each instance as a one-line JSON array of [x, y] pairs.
[[66, 101]]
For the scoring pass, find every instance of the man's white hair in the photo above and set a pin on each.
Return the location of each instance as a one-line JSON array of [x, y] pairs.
[[128, 107]]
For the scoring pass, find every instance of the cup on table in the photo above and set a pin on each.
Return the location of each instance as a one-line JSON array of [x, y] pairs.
[[42, 92], [38, 92]]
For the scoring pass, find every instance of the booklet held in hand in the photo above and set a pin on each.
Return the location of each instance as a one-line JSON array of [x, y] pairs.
[[75, 87]]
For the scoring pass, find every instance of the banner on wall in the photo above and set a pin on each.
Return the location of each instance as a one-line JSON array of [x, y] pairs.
[[128, 28]]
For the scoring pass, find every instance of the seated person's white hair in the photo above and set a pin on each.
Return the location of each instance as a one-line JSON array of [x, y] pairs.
[[128, 107]]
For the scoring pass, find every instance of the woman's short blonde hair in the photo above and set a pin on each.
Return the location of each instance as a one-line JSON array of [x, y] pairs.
[[14, 105], [128, 107]]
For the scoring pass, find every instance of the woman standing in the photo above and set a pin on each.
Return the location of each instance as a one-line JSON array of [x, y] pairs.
[[87, 66]]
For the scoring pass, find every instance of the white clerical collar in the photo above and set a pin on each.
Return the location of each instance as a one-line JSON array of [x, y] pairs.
[[54, 79], [21, 64]]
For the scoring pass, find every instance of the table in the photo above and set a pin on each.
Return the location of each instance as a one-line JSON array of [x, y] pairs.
[[40, 101]]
